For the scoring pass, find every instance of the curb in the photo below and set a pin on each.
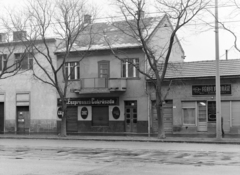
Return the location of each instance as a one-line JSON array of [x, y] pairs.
[[132, 139]]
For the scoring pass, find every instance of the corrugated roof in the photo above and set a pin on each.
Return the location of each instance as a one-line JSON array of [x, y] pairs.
[[116, 33], [201, 69]]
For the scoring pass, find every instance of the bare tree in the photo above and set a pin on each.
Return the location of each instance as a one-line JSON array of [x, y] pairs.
[[63, 19], [157, 56]]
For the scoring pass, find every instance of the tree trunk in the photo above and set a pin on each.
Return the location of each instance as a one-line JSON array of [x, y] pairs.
[[161, 133], [64, 120]]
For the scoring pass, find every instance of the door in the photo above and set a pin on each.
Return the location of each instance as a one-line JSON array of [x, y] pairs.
[[225, 109], [131, 116], [72, 119], [103, 73], [23, 119], [235, 113], [1, 118], [202, 116], [168, 116]]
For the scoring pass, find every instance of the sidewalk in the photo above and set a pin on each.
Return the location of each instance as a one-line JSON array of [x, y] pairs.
[[171, 138]]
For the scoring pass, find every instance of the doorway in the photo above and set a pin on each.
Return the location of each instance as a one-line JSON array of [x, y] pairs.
[[23, 119], [131, 116]]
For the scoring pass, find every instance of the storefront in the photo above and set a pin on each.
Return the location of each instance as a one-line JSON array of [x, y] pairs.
[[94, 114], [193, 100]]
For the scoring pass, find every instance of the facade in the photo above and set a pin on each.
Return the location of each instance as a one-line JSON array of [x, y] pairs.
[[24, 105], [107, 94], [190, 107]]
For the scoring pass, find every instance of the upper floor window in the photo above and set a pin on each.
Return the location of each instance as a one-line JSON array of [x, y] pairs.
[[129, 67], [24, 61], [72, 70], [3, 61]]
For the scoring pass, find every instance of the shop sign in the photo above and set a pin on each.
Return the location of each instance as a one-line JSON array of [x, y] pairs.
[[210, 89], [84, 112], [91, 101], [60, 112], [116, 113]]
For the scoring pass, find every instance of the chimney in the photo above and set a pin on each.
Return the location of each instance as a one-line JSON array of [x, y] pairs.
[[87, 19], [3, 37], [141, 13], [19, 35]]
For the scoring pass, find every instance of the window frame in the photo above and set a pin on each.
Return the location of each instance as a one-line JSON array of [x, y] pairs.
[[125, 68], [3, 60], [76, 70], [29, 58], [190, 106]]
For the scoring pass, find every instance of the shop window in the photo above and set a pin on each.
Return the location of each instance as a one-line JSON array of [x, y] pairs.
[[202, 112], [100, 116], [189, 116], [129, 68], [212, 111], [72, 70], [189, 113]]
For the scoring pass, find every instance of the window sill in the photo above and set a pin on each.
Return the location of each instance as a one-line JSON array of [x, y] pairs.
[[131, 78]]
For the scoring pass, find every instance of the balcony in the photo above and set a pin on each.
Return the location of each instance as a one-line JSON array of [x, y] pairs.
[[102, 85]]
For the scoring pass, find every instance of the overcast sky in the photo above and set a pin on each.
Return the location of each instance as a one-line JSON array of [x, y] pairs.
[[198, 40]]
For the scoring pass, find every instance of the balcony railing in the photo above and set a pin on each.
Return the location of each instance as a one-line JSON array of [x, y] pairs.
[[94, 83], [103, 84]]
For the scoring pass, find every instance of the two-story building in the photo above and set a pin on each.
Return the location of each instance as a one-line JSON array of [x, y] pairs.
[[26, 104], [191, 102], [107, 94]]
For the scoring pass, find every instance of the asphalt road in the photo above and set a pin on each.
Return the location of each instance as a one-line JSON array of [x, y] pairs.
[[73, 157]]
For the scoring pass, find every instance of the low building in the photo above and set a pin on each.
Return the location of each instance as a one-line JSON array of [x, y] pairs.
[[190, 105], [26, 104]]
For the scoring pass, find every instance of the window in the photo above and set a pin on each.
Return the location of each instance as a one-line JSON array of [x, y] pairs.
[[72, 70], [24, 61], [128, 68], [3, 61], [189, 116], [189, 113]]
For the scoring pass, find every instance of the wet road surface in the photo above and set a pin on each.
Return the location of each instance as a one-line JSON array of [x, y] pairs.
[[97, 158]]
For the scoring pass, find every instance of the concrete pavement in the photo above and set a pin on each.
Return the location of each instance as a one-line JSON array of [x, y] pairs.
[[228, 139]]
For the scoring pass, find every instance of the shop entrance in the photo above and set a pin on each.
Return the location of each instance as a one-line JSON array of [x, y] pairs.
[[1, 118], [131, 116], [23, 119], [72, 118]]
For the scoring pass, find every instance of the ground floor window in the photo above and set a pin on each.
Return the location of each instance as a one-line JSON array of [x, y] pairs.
[[189, 113], [100, 116], [189, 116]]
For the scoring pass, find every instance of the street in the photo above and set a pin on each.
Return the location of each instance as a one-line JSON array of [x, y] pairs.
[[75, 157]]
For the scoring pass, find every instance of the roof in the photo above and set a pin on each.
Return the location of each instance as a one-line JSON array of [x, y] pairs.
[[203, 69], [117, 34]]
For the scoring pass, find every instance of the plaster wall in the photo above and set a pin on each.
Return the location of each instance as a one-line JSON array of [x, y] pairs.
[[42, 102]]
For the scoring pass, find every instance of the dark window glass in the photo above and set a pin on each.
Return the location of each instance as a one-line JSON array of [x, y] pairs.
[[100, 116]]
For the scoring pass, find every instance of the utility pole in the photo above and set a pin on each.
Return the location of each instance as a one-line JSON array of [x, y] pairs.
[[218, 88]]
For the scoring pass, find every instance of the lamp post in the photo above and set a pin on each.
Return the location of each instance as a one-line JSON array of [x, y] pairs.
[[218, 93]]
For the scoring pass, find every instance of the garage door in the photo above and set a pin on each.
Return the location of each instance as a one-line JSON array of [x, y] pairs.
[[167, 117], [72, 118]]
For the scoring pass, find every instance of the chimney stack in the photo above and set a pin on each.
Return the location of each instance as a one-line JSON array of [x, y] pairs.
[[87, 19]]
